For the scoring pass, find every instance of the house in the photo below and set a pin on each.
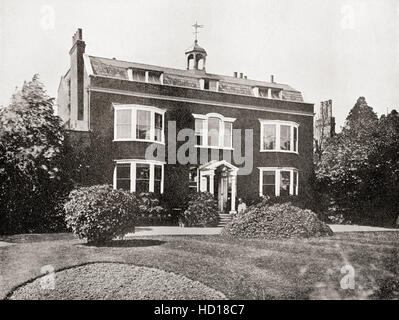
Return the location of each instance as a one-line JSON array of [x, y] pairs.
[[126, 104]]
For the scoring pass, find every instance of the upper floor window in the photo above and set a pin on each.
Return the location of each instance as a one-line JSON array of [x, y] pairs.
[[208, 84], [138, 75], [278, 136], [264, 92], [154, 77], [142, 123], [278, 181], [214, 131], [145, 76]]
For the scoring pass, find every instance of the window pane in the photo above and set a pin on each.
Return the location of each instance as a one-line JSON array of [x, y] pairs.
[[123, 124], [295, 138], [268, 183], [143, 124], [123, 176], [138, 75], [269, 136], [154, 77], [158, 127], [157, 178], [295, 182], [199, 131], [228, 134], [275, 94], [284, 183], [285, 137], [157, 172], [263, 92], [123, 171], [142, 186], [142, 178], [213, 132], [193, 178]]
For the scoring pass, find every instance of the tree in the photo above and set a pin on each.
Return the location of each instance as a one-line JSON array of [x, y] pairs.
[[31, 176], [360, 117], [358, 166], [176, 188]]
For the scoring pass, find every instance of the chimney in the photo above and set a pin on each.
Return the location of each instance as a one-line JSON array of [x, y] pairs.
[[272, 78], [77, 75], [235, 74], [241, 75]]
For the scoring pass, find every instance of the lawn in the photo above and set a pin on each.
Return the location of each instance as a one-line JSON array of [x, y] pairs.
[[240, 269]]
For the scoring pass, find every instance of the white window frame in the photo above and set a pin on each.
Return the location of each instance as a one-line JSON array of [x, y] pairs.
[[133, 163], [277, 171], [222, 120], [278, 124], [146, 75], [134, 108]]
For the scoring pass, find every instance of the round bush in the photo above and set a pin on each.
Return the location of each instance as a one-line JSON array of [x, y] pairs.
[[202, 211], [276, 221], [99, 213]]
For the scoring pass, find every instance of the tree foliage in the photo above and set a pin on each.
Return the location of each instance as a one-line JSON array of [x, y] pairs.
[[31, 149], [176, 188], [359, 166]]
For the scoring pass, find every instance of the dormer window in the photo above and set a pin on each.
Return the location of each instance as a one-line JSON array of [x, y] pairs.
[[138, 75], [264, 92], [154, 77], [276, 93], [207, 84], [145, 76]]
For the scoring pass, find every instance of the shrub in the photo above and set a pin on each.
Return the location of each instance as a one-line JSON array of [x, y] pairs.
[[202, 211], [99, 213], [276, 221], [151, 210]]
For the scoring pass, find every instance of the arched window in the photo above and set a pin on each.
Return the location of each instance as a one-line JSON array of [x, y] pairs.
[[214, 131], [190, 62]]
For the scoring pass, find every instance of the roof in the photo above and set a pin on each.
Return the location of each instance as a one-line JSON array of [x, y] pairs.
[[195, 48], [113, 68]]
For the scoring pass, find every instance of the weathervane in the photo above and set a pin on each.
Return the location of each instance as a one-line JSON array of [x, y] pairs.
[[196, 27]]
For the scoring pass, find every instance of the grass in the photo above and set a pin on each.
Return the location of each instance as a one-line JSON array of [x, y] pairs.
[[241, 269]]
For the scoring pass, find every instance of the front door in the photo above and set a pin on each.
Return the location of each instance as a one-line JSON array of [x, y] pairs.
[[223, 193]]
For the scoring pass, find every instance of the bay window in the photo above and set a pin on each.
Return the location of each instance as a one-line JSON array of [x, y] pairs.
[[214, 131], [278, 181], [281, 136], [139, 176], [142, 177], [123, 124], [268, 183], [138, 123], [143, 127], [123, 177]]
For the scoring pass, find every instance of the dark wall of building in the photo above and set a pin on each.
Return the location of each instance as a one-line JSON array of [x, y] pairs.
[[102, 124]]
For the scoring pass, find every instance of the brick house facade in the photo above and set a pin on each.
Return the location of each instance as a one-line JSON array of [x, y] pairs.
[[126, 104]]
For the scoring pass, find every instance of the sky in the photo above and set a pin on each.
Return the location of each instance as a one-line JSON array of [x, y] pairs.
[[328, 49]]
